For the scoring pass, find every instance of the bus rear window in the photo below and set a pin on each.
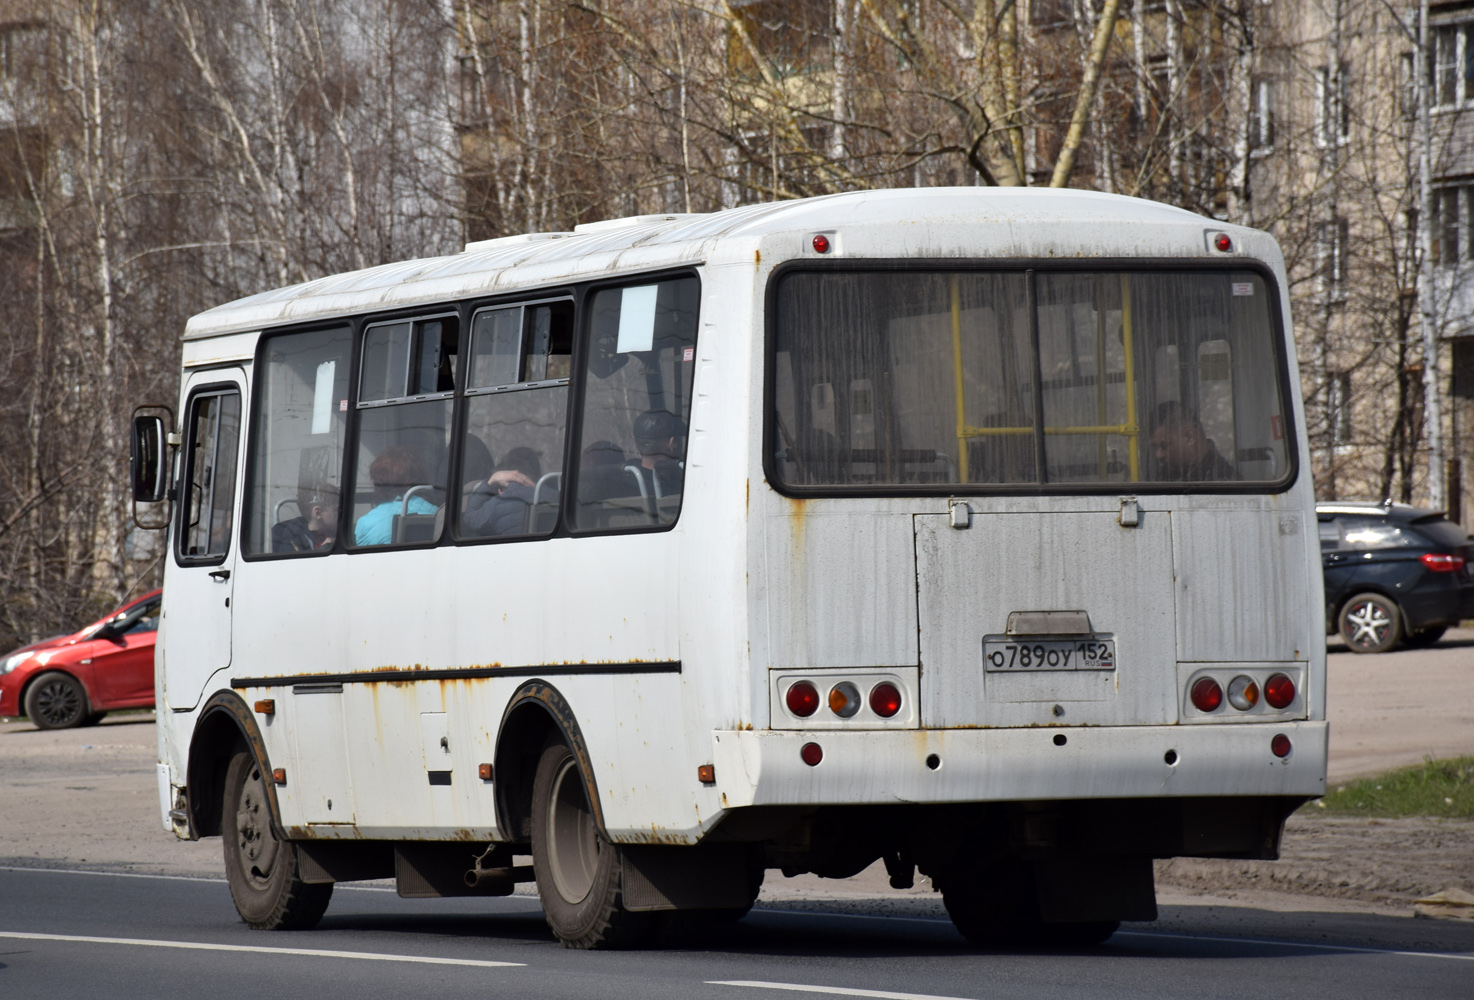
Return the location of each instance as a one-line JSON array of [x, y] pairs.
[[1014, 379]]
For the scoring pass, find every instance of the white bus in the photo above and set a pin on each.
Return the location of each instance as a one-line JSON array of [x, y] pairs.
[[966, 530]]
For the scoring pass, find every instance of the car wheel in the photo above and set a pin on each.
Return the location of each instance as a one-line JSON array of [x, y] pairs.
[[579, 874], [56, 701], [1370, 623], [1425, 638], [263, 871]]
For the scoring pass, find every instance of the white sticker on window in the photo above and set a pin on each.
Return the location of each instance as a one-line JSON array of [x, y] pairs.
[[637, 319], [1243, 288], [322, 398]]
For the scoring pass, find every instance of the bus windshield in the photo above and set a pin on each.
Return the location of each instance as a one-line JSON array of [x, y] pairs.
[[1013, 379]]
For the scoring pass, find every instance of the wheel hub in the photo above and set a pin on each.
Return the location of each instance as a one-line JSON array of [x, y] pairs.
[[255, 841], [573, 841], [1369, 624]]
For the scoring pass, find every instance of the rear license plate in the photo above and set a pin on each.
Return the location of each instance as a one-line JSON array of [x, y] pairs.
[[1010, 654]]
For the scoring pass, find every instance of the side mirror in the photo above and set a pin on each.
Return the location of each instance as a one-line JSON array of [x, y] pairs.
[[148, 463]]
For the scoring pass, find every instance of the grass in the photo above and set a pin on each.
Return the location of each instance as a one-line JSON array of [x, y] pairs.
[[1443, 788]]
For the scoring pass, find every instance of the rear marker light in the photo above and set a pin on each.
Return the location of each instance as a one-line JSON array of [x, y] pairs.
[[844, 699], [885, 699], [821, 244], [811, 753], [1207, 695], [1280, 745], [1439, 562], [803, 699], [1279, 691], [279, 776], [1222, 243], [707, 774], [1243, 693]]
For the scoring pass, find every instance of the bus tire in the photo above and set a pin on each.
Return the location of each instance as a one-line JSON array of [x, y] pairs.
[[579, 874], [997, 905], [262, 869]]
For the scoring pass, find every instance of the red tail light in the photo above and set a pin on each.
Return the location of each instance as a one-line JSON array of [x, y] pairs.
[[1438, 562], [1279, 691], [803, 699], [885, 699], [1207, 695]]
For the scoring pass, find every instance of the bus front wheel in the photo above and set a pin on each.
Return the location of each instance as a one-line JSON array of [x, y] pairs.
[[579, 874], [262, 869]]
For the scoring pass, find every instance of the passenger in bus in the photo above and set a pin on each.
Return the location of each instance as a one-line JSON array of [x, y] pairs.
[[393, 473], [1183, 452], [314, 528], [661, 438], [501, 505]]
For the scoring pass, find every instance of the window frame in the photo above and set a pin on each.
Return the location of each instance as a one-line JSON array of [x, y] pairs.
[[583, 323], [465, 392], [768, 441], [355, 327], [185, 468]]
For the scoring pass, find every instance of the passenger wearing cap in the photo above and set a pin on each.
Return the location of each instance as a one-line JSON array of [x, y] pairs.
[[660, 437]]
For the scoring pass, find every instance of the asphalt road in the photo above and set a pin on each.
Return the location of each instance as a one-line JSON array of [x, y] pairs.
[[89, 935]]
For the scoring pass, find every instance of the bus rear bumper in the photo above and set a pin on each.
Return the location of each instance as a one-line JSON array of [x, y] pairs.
[[1003, 765]]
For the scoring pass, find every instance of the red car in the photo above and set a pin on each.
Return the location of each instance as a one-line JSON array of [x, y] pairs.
[[74, 680]]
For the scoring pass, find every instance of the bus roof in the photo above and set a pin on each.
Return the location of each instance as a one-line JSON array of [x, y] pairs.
[[650, 242]]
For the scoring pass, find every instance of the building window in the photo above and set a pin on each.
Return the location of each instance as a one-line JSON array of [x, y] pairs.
[[1261, 115], [1333, 239], [1338, 407], [1452, 238], [1452, 65], [1332, 99]]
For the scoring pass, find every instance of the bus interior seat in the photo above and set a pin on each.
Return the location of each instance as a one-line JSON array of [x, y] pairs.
[[409, 529]]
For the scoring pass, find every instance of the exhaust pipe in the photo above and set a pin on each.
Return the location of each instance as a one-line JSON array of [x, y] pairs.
[[507, 877]]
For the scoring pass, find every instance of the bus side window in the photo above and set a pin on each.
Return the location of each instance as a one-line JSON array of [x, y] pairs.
[[297, 430], [515, 420], [404, 407], [214, 428], [636, 405]]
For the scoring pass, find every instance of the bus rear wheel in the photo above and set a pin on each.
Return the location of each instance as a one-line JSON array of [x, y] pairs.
[[262, 869], [579, 874], [997, 905]]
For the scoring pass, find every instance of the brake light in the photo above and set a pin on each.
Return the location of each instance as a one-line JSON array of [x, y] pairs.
[[1279, 691], [1439, 562], [885, 699], [1207, 695], [803, 699]]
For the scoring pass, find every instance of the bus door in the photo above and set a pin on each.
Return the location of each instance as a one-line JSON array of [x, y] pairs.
[[199, 585]]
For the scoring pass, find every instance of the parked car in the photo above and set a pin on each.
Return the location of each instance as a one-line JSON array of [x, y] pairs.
[[1394, 573], [74, 680]]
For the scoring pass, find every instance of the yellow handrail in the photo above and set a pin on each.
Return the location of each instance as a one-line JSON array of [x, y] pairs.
[[1131, 430]]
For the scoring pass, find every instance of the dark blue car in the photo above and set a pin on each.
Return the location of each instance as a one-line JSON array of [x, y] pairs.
[[1394, 573]]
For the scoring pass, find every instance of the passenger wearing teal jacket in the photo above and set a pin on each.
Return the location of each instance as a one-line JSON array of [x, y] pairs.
[[394, 472]]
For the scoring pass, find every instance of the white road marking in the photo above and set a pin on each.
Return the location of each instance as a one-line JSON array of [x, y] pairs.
[[842, 991], [206, 946], [1457, 956], [1460, 956], [1217, 939], [79, 871]]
